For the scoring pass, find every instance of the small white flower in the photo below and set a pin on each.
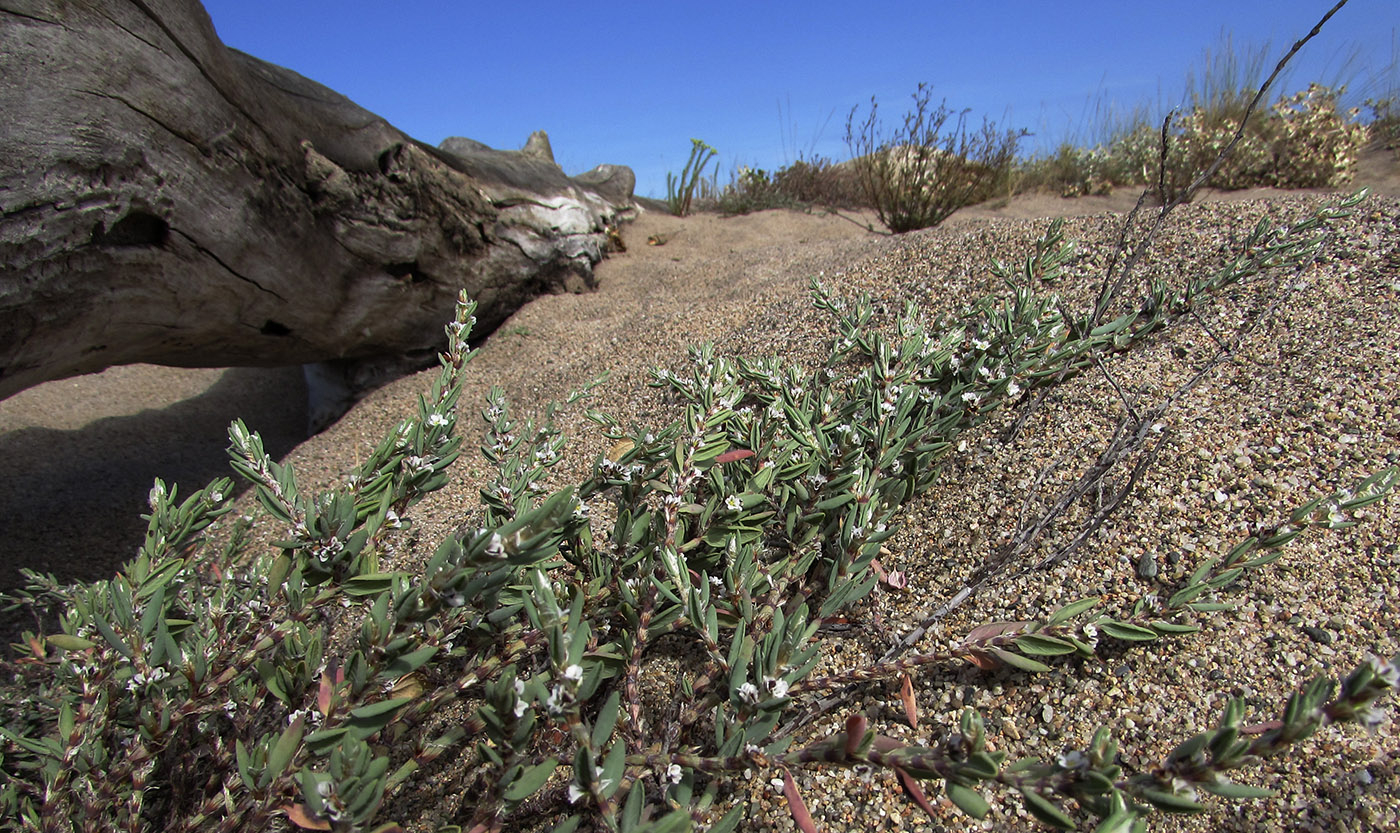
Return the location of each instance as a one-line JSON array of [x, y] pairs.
[[496, 548], [733, 503], [520, 707], [1091, 634], [1013, 389], [674, 774], [581, 511], [1072, 760], [575, 793], [216, 497], [1183, 788], [970, 397], [748, 693], [980, 344], [1370, 717], [437, 420], [717, 582], [779, 687], [574, 673], [1387, 674]]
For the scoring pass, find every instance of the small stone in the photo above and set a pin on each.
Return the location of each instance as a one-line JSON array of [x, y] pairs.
[[1010, 729], [1318, 635]]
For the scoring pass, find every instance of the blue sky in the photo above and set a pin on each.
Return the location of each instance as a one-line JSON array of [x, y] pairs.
[[631, 83]]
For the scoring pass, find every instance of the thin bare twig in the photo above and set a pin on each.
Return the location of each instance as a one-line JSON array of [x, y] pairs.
[[1127, 403]]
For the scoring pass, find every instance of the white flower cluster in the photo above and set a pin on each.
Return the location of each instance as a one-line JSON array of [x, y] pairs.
[[142, 678], [577, 792]]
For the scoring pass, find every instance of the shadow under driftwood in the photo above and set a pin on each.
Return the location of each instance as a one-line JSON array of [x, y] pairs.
[[72, 497]]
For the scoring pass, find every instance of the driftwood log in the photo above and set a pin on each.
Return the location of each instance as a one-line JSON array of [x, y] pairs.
[[168, 199]]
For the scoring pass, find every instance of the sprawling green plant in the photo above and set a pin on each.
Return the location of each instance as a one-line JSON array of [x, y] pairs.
[[217, 687], [931, 166], [680, 190]]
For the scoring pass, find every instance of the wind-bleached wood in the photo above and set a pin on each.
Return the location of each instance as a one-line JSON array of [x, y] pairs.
[[168, 199]]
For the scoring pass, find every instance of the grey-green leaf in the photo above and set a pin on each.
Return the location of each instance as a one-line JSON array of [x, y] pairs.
[[530, 780], [1071, 611], [285, 748], [607, 719], [1044, 810], [1041, 645], [1017, 661], [731, 820], [1126, 631], [1229, 789], [1171, 802], [968, 800]]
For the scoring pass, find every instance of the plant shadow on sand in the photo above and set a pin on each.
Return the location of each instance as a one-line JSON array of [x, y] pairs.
[[82, 454]]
